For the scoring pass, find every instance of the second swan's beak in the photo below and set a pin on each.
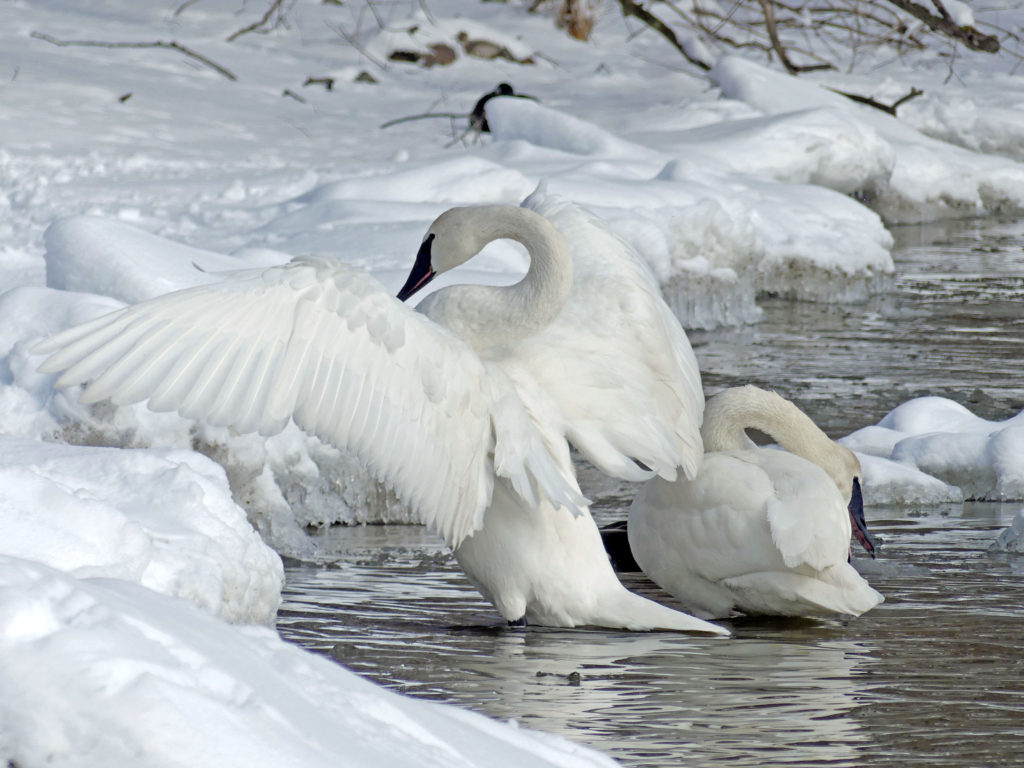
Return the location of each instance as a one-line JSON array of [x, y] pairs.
[[422, 272], [860, 525]]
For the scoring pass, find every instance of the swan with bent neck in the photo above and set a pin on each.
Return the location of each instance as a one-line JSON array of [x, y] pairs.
[[465, 408], [759, 530]]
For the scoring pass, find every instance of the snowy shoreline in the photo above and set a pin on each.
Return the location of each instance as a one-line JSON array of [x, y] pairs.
[[128, 174]]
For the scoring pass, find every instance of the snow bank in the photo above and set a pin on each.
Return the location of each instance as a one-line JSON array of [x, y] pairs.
[[717, 231], [929, 179], [930, 450], [110, 258], [104, 672], [163, 519], [969, 120]]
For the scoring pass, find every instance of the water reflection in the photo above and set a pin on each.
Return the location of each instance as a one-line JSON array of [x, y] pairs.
[[952, 325], [411, 622], [932, 674], [930, 677]]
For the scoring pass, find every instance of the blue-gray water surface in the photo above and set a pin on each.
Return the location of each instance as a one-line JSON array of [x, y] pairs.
[[934, 676]]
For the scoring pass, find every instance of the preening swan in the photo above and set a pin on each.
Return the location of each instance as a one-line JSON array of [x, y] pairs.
[[759, 530], [465, 408]]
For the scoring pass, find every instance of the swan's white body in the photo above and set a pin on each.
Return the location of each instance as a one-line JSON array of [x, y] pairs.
[[465, 414], [759, 530]]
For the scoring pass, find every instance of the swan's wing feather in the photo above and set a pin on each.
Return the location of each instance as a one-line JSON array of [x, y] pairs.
[[617, 359], [747, 511], [806, 514], [325, 345]]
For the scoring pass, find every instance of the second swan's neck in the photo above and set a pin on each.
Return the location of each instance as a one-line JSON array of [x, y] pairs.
[[485, 315], [732, 411]]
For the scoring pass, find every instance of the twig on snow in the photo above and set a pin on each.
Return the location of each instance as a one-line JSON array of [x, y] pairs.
[[275, 6], [173, 45], [423, 116], [181, 8], [888, 108]]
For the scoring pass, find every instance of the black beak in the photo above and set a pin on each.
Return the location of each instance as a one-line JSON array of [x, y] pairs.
[[860, 526], [421, 274]]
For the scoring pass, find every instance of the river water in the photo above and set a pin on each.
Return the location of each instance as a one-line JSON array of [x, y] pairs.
[[934, 676]]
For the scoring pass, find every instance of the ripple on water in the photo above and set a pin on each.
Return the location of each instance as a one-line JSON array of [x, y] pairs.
[[944, 650]]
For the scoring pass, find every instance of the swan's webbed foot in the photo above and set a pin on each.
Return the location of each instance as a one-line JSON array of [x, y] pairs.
[[520, 622]]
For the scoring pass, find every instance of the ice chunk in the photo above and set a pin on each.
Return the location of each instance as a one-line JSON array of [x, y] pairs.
[[936, 449], [1011, 538]]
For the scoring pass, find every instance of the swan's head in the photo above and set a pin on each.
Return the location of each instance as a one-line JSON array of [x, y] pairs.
[[456, 236], [845, 470]]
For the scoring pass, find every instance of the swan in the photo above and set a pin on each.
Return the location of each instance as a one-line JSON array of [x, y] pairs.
[[758, 530], [465, 407]]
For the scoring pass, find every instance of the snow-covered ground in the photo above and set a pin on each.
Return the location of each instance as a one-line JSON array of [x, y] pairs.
[[122, 170], [103, 672]]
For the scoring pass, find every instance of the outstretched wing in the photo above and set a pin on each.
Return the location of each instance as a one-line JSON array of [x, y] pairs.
[[617, 360], [325, 345]]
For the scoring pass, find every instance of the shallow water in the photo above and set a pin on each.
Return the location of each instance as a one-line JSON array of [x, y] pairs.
[[931, 677]]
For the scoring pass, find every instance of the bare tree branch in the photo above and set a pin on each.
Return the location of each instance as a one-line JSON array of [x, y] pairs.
[[971, 37], [631, 8], [773, 35], [173, 45], [275, 7], [351, 40]]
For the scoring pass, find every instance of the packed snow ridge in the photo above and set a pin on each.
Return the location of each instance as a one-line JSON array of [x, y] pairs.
[[101, 671]]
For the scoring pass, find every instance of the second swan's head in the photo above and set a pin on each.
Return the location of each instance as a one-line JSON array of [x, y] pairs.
[[846, 472]]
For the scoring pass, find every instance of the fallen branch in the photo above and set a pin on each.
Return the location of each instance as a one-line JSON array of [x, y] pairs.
[[971, 37], [174, 46], [888, 108], [181, 8], [477, 118], [631, 8], [274, 6], [326, 82], [423, 116]]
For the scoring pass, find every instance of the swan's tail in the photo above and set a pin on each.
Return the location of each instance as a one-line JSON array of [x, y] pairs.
[[629, 610]]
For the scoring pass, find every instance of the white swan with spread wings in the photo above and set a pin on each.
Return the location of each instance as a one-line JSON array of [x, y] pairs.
[[465, 409]]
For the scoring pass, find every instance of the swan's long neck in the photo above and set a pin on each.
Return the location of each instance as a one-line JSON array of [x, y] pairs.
[[732, 411], [487, 316]]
